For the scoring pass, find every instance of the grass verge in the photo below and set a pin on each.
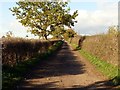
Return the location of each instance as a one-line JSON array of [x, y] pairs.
[[107, 69]]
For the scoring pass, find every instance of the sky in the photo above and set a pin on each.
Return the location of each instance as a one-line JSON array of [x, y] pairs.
[[95, 16]]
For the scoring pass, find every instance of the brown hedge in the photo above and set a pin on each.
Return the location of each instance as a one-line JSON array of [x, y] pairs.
[[16, 50], [103, 46]]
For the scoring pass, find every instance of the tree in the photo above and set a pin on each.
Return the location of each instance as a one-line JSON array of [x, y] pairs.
[[70, 33], [41, 15], [9, 34], [58, 32]]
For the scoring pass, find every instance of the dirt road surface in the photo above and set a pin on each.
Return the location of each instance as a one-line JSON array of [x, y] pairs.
[[66, 69]]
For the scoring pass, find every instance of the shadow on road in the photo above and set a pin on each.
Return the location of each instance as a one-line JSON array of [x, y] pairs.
[[51, 86], [62, 63], [100, 85]]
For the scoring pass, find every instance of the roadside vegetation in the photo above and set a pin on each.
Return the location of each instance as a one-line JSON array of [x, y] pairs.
[[25, 55], [102, 51]]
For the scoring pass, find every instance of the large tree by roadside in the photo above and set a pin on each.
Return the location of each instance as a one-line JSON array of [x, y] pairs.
[[38, 16]]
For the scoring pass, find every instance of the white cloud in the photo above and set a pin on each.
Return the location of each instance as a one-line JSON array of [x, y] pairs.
[[17, 29], [92, 22]]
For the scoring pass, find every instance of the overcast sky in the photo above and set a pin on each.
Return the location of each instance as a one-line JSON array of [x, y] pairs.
[[95, 16]]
